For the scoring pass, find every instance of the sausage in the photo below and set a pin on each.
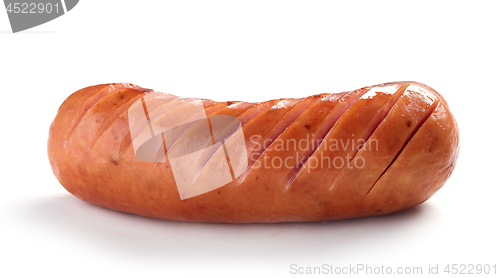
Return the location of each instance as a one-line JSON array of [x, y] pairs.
[[372, 151]]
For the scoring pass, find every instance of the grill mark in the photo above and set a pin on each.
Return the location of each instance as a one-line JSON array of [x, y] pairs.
[[413, 132], [93, 100], [355, 95], [164, 149], [354, 156], [254, 111], [213, 108], [228, 160], [112, 118], [309, 101], [219, 111], [208, 110], [148, 119], [226, 105], [368, 132], [208, 113], [127, 140], [211, 131], [370, 128], [88, 104], [156, 111], [251, 114]]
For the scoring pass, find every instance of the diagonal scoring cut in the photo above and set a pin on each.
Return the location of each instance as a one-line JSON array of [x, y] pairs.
[[93, 100], [344, 103], [248, 114], [279, 127], [172, 138], [245, 118], [352, 185], [178, 131], [112, 118], [408, 139], [127, 140], [374, 124], [379, 118], [370, 127]]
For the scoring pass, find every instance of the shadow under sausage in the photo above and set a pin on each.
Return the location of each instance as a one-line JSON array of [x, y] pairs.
[[141, 238]]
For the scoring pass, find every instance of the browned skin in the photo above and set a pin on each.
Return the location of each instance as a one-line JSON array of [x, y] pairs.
[[90, 152]]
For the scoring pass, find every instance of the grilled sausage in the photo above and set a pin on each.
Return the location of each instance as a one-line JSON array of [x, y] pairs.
[[372, 151]]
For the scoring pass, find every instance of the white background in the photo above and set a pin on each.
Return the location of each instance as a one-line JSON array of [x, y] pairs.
[[253, 51]]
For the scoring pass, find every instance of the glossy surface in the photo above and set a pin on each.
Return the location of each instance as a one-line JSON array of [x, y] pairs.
[[372, 151]]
